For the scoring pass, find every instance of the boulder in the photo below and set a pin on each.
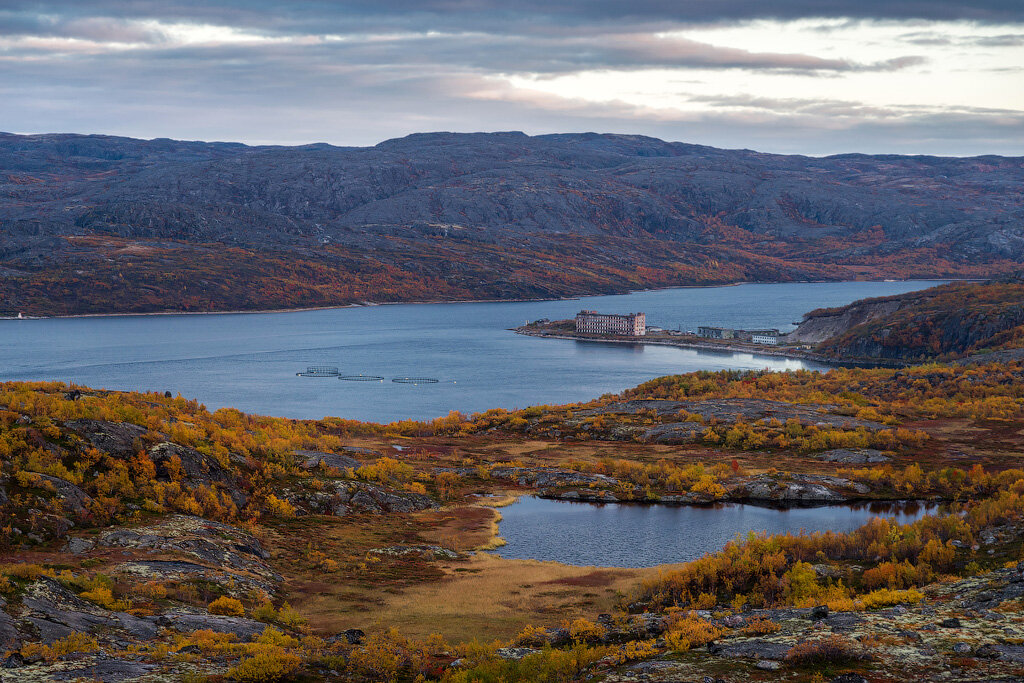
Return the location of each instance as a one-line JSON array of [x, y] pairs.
[[751, 649], [515, 653], [343, 497], [186, 622], [215, 544], [796, 489], [74, 500], [119, 439], [543, 477], [338, 461], [1003, 653], [854, 456], [56, 613], [674, 432], [193, 468], [235, 584], [10, 635], [77, 546], [104, 669], [430, 552]]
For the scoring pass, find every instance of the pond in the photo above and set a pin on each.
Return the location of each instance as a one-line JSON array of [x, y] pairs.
[[634, 535]]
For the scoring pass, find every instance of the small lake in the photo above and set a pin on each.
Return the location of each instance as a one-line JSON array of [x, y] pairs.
[[249, 361], [625, 535]]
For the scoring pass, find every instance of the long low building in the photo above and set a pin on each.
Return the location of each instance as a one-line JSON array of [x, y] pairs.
[[592, 322]]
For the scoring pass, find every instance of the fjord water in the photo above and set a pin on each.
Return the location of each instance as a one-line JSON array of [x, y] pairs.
[[624, 535], [249, 361]]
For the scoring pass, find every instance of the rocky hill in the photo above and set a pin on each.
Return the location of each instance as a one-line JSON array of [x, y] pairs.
[[950, 321], [144, 538], [94, 223]]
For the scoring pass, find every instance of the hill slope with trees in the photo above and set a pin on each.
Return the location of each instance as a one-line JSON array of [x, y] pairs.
[[951, 321], [100, 224]]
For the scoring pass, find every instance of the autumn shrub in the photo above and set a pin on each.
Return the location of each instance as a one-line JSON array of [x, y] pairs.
[[264, 612], [267, 664], [834, 649], [634, 650], [104, 597], [26, 571], [759, 626], [688, 632], [225, 606], [584, 631], [71, 644], [289, 617], [151, 590], [533, 636], [885, 597], [279, 507]]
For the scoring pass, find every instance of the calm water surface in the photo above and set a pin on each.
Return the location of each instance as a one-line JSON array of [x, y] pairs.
[[249, 361], [614, 535]]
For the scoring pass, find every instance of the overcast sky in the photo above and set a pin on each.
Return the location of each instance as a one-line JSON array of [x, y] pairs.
[[805, 76]]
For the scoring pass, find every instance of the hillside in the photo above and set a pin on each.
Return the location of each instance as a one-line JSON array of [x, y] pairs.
[[950, 321], [100, 224], [146, 538]]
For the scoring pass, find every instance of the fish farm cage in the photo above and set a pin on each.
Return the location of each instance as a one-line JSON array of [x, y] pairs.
[[333, 371], [320, 371]]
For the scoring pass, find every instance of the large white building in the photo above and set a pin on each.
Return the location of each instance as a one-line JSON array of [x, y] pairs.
[[592, 322], [764, 338]]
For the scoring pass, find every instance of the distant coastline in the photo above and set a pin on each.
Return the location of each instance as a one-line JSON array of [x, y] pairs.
[[366, 304], [732, 347]]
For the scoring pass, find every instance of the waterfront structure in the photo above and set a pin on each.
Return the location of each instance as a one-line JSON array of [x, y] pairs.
[[716, 332], [764, 338], [592, 322], [756, 336]]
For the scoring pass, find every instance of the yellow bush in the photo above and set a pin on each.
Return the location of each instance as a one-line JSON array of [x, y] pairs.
[[760, 626], [229, 607], [271, 636], [885, 597], [689, 632], [72, 644], [289, 617], [531, 635], [279, 507], [152, 590], [104, 597], [29, 572], [581, 630], [264, 611], [208, 642], [269, 663], [634, 650], [704, 601]]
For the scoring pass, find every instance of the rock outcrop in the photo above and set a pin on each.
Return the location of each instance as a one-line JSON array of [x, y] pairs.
[[339, 498]]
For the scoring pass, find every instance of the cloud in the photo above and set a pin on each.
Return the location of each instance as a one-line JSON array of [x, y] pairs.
[[355, 72], [491, 15]]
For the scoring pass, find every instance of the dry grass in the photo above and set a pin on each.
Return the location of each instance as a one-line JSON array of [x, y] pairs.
[[492, 597]]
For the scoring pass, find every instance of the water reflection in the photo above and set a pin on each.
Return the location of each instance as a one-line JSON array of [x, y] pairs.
[[631, 535]]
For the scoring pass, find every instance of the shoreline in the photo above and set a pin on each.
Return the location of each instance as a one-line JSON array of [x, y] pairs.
[[368, 304], [753, 349]]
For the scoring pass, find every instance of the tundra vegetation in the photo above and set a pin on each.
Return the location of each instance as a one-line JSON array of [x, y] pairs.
[[143, 535], [102, 224]]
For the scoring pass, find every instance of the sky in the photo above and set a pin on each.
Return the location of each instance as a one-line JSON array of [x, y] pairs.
[[788, 76]]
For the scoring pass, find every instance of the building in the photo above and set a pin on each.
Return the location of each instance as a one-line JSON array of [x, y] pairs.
[[764, 338], [716, 332], [592, 322]]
